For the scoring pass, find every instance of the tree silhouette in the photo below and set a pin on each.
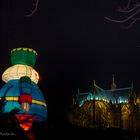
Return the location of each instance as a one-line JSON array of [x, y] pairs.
[[34, 9], [129, 14]]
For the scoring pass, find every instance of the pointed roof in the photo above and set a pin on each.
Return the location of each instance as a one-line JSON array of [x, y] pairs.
[[98, 93], [113, 84]]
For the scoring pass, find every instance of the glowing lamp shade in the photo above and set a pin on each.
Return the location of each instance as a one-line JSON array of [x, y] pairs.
[[25, 100], [25, 56], [18, 71]]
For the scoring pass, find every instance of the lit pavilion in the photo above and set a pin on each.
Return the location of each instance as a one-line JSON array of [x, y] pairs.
[[114, 95]]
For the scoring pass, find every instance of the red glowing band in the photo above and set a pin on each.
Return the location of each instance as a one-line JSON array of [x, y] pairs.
[[25, 98]]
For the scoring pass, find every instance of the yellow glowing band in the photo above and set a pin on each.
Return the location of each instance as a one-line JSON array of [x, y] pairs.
[[39, 102], [24, 49], [33, 101]]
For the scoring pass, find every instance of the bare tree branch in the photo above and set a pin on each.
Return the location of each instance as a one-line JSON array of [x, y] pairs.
[[128, 11], [132, 16], [35, 7], [131, 24], [128, 4], [124, 20]]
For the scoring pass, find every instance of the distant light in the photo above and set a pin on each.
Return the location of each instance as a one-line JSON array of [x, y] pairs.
[[81, 103], [126, 101], [91, 97], [120, 101], [96, 98]]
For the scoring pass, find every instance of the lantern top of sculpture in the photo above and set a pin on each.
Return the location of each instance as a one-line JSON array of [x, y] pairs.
[[25, 56]]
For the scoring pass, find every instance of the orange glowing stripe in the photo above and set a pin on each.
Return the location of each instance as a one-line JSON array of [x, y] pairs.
[[33, 101]]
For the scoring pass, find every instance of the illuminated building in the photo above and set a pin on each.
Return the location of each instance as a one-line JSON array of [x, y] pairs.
[[21, 91], [100, 108], [113, 95]]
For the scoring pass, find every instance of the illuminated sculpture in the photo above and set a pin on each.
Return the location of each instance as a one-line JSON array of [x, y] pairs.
[[21, 91]]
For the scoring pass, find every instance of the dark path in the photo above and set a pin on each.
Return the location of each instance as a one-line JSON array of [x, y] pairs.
[[42, 132]]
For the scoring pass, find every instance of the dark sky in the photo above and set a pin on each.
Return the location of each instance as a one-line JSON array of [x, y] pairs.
[[75, 45]]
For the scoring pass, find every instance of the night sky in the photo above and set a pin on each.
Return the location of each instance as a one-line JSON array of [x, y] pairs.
[[75, 45]]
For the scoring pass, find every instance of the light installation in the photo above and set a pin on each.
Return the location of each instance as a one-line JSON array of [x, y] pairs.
[[21, 90]]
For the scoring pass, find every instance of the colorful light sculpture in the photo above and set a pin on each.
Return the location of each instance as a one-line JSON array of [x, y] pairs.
[[21, 91]]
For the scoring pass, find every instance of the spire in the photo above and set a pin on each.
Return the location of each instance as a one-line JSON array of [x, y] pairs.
[[113, 84], [132, 85], [94, 82], [113, 78], [77, 96], [93, 85], [78, 91], [94, 89], [73, 99], [132, 96], [131, 90]]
